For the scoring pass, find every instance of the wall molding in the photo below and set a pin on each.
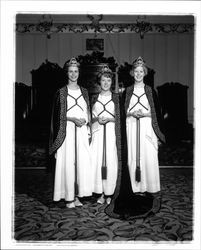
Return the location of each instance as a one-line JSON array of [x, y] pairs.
[[140, 28]]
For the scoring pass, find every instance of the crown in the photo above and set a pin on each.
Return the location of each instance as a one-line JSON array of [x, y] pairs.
[[105, 69], [73, 62], [139, 62]]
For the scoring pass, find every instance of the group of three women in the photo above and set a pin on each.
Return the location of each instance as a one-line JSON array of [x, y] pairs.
[[86, 141]]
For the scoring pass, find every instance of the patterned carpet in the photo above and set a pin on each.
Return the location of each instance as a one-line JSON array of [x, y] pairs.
[[37, 218], [33, 155]]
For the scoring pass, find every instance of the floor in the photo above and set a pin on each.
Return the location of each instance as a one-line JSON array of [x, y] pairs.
[[38, 218]]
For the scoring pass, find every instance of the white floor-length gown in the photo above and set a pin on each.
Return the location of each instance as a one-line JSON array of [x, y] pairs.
[[104, 186], [150, 179], [65, 157]]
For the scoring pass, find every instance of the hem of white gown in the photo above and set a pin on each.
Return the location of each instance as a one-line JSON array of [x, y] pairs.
[[146, 190], [70, 197], [85, 194], [100, 190], [62, 195]]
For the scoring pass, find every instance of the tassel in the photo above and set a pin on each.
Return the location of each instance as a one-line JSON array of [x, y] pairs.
[[138, 174], [104, 164], [104, 172], [76, 184], [76, 188]]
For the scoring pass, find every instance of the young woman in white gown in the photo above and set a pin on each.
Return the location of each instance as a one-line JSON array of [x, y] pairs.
[[69, 140], [104, 146], [139, 186], [144, 167]]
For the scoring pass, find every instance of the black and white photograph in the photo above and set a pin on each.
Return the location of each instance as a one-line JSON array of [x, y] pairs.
[[103, 136]]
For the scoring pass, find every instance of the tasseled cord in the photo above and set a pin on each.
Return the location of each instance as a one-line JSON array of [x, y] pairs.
[[138, 174], [104, 165]]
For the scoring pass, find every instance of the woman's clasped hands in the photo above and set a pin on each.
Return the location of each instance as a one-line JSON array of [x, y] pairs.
[[103, 120], [138, 114], [79, 122]]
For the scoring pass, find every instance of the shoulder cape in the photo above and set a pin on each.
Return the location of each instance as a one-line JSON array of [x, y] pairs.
[[115, 99], [157, 121], [58, 119]]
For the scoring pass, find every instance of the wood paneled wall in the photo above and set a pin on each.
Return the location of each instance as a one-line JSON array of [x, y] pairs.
[[170, 55]]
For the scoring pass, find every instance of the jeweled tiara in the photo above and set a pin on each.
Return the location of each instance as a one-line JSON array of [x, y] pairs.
[[139, 62]]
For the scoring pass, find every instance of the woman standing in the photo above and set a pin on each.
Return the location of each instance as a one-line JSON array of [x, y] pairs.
[[143, 131], [69, 140], [105, 144]]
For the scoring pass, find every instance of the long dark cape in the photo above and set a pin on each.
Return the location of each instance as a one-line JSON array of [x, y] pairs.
[[125, 204], [58, 119]]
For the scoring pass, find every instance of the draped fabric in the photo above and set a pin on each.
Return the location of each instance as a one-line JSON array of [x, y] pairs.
[[126, 204]]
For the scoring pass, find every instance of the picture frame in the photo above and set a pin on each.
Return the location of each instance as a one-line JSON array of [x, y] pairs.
[[95, 44]]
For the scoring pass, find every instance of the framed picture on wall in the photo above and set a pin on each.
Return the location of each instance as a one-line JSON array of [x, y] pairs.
[[95, 44]]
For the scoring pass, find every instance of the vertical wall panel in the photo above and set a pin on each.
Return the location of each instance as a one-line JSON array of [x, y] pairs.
[[112, 46], [76, 45], [185, 69], [40, 50], [183, 55], [160, 60], [148, 48], [192, 84], [124, 48], [18, 58], [172, 58], [28, 58], [136, 47], [53, 49], [65, 41]]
